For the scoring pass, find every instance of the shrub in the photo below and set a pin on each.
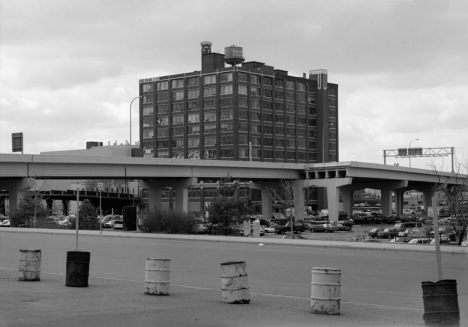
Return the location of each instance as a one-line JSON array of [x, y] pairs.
[[170, 222]]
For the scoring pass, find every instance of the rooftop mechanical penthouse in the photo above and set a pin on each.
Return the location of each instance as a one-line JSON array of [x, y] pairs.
[[237, 110]]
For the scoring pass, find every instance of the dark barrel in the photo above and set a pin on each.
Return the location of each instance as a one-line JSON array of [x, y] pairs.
[[441, 303], [77, 269]]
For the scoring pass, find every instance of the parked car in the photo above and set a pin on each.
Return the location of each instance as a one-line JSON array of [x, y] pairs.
[[118, 224], [327, 228], [346, 222], [298, 227], [389, 233], [341, 228], [375, 232], [271, 229], [200, 229], [419, 241], [6, 223]]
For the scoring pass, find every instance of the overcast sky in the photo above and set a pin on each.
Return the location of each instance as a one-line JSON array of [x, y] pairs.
[[69, 69]]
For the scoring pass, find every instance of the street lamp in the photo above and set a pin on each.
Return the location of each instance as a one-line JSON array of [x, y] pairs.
[[131, 124], [409, 156], [323, 141]]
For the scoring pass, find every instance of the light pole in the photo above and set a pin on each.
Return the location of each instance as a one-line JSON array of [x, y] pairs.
[[409, 156], [131, 124], [323, 141]]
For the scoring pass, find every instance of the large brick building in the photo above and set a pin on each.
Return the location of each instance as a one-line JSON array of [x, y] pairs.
[[236, 110]]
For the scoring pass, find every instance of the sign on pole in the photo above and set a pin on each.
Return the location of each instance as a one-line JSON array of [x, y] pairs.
[[100, 187], [17, 142]]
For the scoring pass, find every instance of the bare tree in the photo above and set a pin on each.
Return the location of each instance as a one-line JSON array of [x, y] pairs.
[[456, 196]]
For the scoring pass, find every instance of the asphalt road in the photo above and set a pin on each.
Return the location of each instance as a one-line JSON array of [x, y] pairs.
[[371, 280]]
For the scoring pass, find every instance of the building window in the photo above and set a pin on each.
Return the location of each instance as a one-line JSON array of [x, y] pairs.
[[268, 117], [243, 127], [290, 85], [291, 132], [148, 133], [290, 96], [312, 156], [243, 89], [243, 153], [148, 111], [193, 130], [243, 102], [210, 154], [177, 131], [148, 122], [178, 154], [209, 91], [192, 81], [301, 144], [267, 105], [267, 141], [290, 107], [332, 91], [312, 100], [162, 108], [313, 145], [291, 155], [209, 104], [332, 135], [255, 103], [178, 107], [279, 106], [209, 116], [254, 79], [332, 102], [301, 98], [279, 155], [162, 132], [148, 99], [193, 105], [279, 83], [312, 122], [267, 129], [267, 154], [193, 154], [279, 119], [163, 96], [301, 121], [193, 93], [243, 115], [176, 83], [209, 128], [291, 120], [312, 88], [312, 133], [267, 93], [243, 140], [255, 141], [301, 109], [163, 154], [147, 87], [178, 143], [291, 143], [148, 147], [193, 118], [279, 143], [255, 115], [226, 114], [162, 121], [243, 77], [301, 87], [209, 79], [254, 91], [164, 85], [256, 128], [209, 141], [226, 127], [225, 102], [225, 153], [256, 153], [225, 89], [267, 80], [279, 130], [178, 119], [312, 111], [225, 77], [301, 133], [279, 95], [301, 156], [226, 140]]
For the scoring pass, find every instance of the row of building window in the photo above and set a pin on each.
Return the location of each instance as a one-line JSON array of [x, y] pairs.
[[228, 77], [229, 140]]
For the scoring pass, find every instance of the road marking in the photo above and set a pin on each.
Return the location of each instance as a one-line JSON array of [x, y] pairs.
[[254, 293]]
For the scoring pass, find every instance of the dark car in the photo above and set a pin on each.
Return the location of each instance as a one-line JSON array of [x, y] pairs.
[[389, 233], [298, 227], [347, 222], [327, 228], [340, 227]]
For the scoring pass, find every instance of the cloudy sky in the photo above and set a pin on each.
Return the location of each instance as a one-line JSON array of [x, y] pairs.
[[69, 69]]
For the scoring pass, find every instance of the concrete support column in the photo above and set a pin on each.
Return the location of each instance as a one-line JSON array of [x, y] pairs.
[[299, 200], [154, 193], [428, 193], [348, 201], [333, 199], [15, 188], [386, 201], [267, 206], [399, 201]]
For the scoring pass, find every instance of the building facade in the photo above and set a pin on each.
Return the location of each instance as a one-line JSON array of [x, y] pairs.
[[235, 110]]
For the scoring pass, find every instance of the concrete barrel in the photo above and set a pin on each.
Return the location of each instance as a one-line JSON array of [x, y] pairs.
[[29, 265], [326, 291], [157, 276], [234, 282]]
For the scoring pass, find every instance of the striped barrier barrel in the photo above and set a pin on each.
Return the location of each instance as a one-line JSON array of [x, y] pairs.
[[326, 291], [157, 276]]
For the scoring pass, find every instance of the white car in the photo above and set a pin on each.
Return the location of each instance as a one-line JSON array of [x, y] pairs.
[[6, 223], [118, 224], [271, 229]]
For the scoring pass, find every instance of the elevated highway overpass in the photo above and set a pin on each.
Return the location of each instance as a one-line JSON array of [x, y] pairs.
[[156, 174]]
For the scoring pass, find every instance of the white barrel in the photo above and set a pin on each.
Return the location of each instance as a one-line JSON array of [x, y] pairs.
[[157, 276], [256, 229], [29, 265], [246, 228], [326, 291], [234, 282]]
